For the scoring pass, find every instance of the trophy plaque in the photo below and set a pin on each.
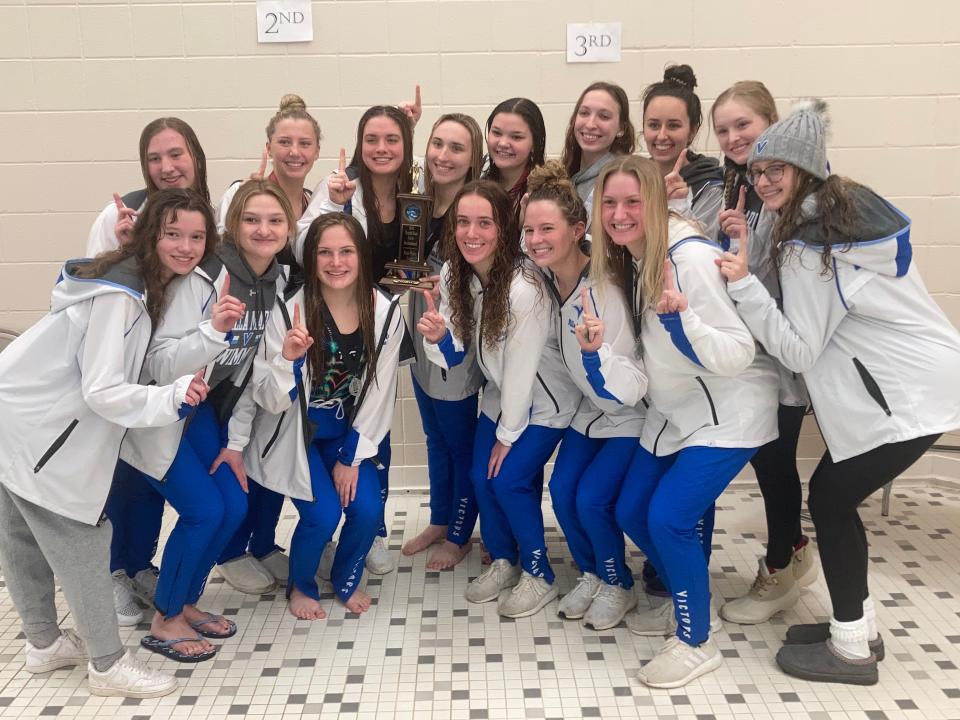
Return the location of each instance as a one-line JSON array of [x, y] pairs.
[[410, 268]]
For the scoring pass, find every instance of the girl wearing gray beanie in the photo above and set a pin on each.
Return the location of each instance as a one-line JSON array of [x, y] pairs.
[[879, 357]]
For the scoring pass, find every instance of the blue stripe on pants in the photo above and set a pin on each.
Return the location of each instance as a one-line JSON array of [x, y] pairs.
[[211, 507], [584, 488], [511, 519], [135, 510], [662, 501], [449, 427]]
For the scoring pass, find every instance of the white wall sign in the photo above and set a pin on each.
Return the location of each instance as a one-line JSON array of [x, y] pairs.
[[281, 21], [593, 42]]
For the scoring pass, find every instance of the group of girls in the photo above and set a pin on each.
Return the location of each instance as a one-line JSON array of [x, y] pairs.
[[658, 320]]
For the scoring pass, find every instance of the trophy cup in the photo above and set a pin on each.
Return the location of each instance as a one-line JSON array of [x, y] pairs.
[[410, 268]]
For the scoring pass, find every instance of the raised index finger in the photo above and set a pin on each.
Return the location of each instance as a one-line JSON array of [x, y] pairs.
[[585, 300], [343, 161], [225, 288], [681, 161], [263, 164], [431, 306], [668, 283], [118, 201], [416, 98], [296, 314], [742, 201]]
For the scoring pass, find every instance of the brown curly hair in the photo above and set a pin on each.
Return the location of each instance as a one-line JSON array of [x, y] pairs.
[[508, 258], [162, 207]]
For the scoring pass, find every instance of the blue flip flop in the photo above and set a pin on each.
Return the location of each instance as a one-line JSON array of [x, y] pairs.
[[211, 618], [165, 648]]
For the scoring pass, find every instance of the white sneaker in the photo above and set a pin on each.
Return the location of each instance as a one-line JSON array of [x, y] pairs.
[[129, 677], [380, 560], [499, 576], [326, 562], [247, 575], [661, 620], [574, 604], [67, 651], [677, 663], [144, 585], [277, 563], [528, 596], [804, 566], [128, 612], [769, 594], [609, 607]]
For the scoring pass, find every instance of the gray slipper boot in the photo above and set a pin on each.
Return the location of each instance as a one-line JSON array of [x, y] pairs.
[[809, 633], [820, 662]]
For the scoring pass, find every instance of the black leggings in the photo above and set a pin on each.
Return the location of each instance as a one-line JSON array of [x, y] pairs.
[[836, 489], [775, 465]]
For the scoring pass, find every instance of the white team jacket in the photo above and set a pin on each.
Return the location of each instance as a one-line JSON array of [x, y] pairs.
[[709, 383], [68, 391], [611, 379], [880, 359], [526, 381], [276, 454]]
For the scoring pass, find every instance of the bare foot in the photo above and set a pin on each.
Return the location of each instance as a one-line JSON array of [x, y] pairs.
[[359, 602], [448, 555], [304, 607], [432, 534], [485, 557], [192, 614], [178, 627]]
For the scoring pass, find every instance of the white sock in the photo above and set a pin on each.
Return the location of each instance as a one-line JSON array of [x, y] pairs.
[[850, 638], [870, 615]]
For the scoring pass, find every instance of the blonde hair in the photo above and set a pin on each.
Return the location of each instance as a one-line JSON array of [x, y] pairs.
[[754, 95], [609, 262], [250, 189], [292, 107], [476, 148]]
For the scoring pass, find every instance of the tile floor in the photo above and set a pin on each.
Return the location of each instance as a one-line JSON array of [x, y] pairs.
[[424, 652]]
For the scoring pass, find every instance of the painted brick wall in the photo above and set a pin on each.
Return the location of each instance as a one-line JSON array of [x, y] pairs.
[[80, 79]]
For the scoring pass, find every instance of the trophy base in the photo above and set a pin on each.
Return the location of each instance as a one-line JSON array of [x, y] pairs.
[[399, 282]]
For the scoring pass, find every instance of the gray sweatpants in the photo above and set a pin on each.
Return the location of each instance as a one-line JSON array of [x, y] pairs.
[[36, 545]]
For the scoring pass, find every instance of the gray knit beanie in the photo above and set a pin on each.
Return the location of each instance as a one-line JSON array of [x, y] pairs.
[[799, 139]]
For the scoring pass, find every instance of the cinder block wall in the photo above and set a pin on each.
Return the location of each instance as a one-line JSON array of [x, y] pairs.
[[80, 79]]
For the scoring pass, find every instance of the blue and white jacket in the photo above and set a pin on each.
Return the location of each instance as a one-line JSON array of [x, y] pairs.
[[879, 357], [709, 382], [611, 379], [526, 381]]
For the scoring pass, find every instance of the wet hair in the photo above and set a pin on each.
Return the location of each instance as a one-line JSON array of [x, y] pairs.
[[162, 207], [153, 128], [528, 110], [679, 82], [837, 216], [250, 189], [608, 262], [292, 107], [495, 316], [754, 95], [313, 301], [623, 144], [551, 182], [476, 148], [375, 231]]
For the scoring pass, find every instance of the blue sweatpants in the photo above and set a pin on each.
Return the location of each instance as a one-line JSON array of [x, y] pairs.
[[384, 454], [319, 518], [584, 489], [511, 519], [449, 427], [211, 507], [257, 533], [661, 502], [135, 510]]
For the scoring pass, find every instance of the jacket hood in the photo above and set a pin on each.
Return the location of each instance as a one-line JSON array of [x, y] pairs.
[[681, 230], [701, 170], [585, 177], [881, 241], [125, 277], [228, 255]]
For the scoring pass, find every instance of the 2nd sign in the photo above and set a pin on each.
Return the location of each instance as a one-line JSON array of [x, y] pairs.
[[280, 21]]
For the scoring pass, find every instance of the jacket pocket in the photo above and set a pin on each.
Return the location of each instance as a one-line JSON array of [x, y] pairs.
[[273, 438], [57, 444], [556, 405], [873, 389], [713, 408]]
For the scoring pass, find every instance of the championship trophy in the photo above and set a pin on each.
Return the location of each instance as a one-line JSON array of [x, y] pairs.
[[410, 268]]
